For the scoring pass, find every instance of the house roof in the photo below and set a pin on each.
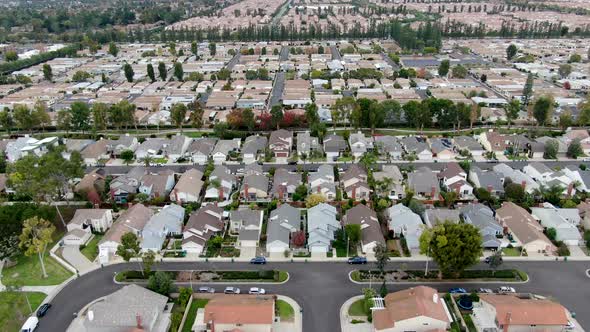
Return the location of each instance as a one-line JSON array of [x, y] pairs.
[[423, 180], [481, 216], [541, 168], [96, 149], [521, 224], [224, 146], [248, 217], [467, 143], [452, 169], [334, 143], [410, 303], [82, 215], [156, 181], [176, 145], [488, 179], [530, 312], [284, 220], [254, 144], [284, 179], [388, 143], [202, 146], [121, 308], [209, 215], [256, 181], [354, 171], [135, 218], [440, 215], [367, 218], [240, 309], [190, 182]]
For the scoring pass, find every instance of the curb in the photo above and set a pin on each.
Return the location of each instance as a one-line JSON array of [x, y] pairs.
[[185, 283], [420, 282]]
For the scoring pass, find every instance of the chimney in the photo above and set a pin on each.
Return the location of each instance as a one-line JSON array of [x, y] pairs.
[[458, 190], [507, 323], [432, 192], [245, 191], [138, 320], [489, 188], [570, 188], [281, 193], [319, 189], [354, 193], [523, 184], [220, 190]]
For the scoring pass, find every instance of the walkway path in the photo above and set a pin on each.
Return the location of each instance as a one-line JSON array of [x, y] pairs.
[[73, 255], [345, 319]]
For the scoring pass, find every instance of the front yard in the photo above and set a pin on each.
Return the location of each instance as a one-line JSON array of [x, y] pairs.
[[91, 249], [357, 308], [14, 309], [285, 311]]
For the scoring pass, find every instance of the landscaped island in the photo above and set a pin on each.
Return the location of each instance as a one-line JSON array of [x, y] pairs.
[[207, 276], [512, 275]]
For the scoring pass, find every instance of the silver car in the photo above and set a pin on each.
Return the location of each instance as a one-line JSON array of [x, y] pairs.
[[231, 290], [256, 291], [205, 289]]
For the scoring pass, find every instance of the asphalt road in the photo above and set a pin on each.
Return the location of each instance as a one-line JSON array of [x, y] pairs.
[[277, 90], [322, 288], [335, 53], [181, 168]]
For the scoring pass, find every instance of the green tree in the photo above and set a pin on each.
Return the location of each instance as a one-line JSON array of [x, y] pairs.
[[223, 74], [381, 257], [450, 197], [148, 259], [276, 113], [248, 119], [542, 109], [150, 72], [511, 110], [564, 70], [128, 70], [574, 150], [575, 58], [527, 91], [178, 114], [40, 114], [311, 114], [64, 120], [160, 282], [113, 49], [551, 149], [496, 260], [162, 71], [212, 49], [514, 192], [24, 118], [129, 247], [454, 247], [314, 199], [81, 76], [376, 116], [565, 120], [194, 48], [551, 233], [47, 72], [178, 71], [443, 68], [10, 56], [100, 113], [127, 156], [511, 51], [121, 114], [6, 121], [353, 232], [196, 116], [80, 115], [459, 71], [35, 237]]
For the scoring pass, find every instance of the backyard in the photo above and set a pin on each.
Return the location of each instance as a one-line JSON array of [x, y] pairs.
[[14, 309], [192, 313]]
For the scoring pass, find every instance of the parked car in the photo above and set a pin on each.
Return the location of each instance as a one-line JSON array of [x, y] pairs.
[[485, 291], [231, 290], [570, 325], [205, 289], [357, 260], [43, 309], [487, 260], [256, 291], [30, 325], [258, 260], [457, 290], [506, 290]]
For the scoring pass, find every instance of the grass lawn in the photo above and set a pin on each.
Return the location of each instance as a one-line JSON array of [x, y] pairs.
[[469, 322], [285, 310], [27, 271], [357, 308], [511, 252], [345, 159], [192, 313], [193, 134], [14, 310], [91, 249]]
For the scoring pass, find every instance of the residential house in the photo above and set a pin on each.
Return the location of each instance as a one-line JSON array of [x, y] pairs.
[[127, 308], [584, 210], [221, 184], [122, 186], [255, 187], [468, 145], [510, 313], [436, 216], [482, 217], [92, 185], [418, 309], [561, 144], [564, 221], [359, 144], [224, 148], [188, 188], [523, 230], [247, 224], [253, 147], [175, 148], [516, 176], [489, 180], [354, 183], [131, 221], [201, 149], [416, 146], [545, 176], [334, 146], [424, 184], [580, 178], [157, 185], [167, 222], [538, 171], [245, 313], [285, 183], [321, 225], [494, 142], [281, 143], [71, 145], [150, 148], [580, 135], [28, 146], [86, 221], [124, 143], [454, 178], [200, 227], [308, 145], [390, 146], [390, 182], [93, 154], [322, 182], [442, 148], [371, 234], [404, 222], [283, 221]]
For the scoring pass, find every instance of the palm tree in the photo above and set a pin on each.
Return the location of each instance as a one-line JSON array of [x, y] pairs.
[[147, 160]]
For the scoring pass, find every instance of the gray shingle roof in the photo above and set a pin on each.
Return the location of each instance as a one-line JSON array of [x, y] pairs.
[[284, 220]]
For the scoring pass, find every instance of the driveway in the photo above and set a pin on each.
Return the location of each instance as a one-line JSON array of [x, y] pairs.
[[73, 255], [247, 252]]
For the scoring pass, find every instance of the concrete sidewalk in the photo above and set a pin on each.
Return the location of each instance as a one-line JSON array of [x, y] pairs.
[[346, 320]]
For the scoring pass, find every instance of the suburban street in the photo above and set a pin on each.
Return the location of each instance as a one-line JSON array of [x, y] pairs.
[[321, 288], [181, 168]]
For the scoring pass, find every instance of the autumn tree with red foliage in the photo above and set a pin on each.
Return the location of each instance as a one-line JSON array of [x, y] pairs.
[[234, 119], [298, 239], [264, 121]]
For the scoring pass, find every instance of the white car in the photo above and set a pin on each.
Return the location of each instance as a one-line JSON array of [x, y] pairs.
[[231, 290], [506, 290], [256, 291]]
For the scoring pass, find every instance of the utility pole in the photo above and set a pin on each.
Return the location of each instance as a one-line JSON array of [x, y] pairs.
[[427, 260]]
